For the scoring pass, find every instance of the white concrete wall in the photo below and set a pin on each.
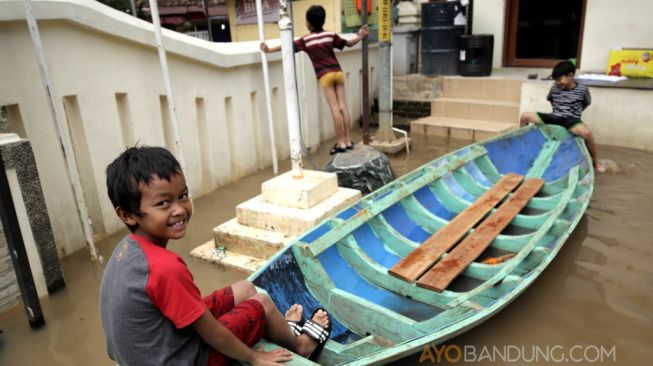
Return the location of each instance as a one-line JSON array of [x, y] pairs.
[[105, 67], [628, 124], [625, 23]]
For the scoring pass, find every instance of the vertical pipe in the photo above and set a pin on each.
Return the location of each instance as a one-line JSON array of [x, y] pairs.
[[366, 89], [266, 83], [133, 5], [292, 102], [62, 130], [385, 133], [154, 11]]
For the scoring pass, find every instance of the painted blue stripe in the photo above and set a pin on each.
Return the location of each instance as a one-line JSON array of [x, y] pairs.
[[516, 154], [348, 280], [374, 247], [476, 173], [346, 214], [315, 234], [457, 189], [397, 217], [284, 282], [566, 157], [430, 202]]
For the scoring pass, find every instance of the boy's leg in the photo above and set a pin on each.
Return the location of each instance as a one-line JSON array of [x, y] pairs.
[[277, 330], [528, 117], [583, 131], [344, 111], [332, 101]]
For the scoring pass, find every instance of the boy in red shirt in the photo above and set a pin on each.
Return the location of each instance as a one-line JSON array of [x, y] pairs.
[[319, 45], [152, 312]]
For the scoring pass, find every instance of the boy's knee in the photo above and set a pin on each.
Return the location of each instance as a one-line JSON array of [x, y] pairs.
[[265, 301], [247, 287]]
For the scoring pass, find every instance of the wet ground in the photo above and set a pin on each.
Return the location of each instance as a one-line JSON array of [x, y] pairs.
[[592, 304]]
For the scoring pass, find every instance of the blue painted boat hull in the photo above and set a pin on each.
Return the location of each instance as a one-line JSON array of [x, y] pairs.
[[342, 263]]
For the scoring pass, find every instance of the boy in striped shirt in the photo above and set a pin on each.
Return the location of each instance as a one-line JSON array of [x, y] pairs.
[[568, 99], [319, 45]]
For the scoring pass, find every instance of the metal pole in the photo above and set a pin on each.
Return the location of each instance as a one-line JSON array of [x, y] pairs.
[[292, 102], [62, 130], [366, 91], [133, 4], [266, 83], [154, 11], [385, 133]]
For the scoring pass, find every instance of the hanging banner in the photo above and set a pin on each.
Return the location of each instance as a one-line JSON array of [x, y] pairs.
[[385, 23], [353, 17], [246, 11]]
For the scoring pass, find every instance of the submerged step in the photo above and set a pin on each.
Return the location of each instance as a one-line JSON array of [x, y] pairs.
[[249, 240]]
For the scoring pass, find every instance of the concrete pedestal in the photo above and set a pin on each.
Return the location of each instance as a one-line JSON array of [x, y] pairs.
[[286, 208]]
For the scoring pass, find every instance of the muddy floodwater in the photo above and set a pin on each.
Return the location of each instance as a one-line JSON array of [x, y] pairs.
[[592, 305]]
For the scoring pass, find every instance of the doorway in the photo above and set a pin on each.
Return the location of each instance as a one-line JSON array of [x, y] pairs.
[[542, 33]]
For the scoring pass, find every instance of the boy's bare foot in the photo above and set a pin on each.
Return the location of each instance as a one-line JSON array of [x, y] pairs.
[[598, 167], [294, 318]]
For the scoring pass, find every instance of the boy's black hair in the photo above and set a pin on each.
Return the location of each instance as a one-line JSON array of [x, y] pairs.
[[563, 68], [137, 165], [315, 16]]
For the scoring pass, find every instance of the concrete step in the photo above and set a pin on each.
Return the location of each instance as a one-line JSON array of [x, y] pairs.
[[482, 88], [228, 259], [313, 188], [293, 221], [477, 109], [458, 128], [248, 240]]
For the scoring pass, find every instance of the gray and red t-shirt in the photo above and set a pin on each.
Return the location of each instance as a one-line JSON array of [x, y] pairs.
[[148, 302], [319, 47]]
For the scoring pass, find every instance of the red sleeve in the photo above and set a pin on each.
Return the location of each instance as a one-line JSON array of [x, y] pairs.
[[338, 42], [299, 45], [172, 290]]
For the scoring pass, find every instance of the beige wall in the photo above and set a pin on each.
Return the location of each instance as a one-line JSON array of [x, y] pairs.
[[105, 70], [608, 23], [249, 32]]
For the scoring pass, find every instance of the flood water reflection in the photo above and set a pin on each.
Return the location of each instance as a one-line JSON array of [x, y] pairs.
[[596, 295]]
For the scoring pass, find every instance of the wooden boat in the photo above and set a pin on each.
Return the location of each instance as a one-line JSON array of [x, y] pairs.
[[439, 250]]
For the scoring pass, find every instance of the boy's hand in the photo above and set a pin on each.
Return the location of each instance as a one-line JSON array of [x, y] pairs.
[[271, 358], [264, 47], [364, 31]]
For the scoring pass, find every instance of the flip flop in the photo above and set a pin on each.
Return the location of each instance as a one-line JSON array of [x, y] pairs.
[[351, 147], [337, 149], [317, 333], [296, 327]]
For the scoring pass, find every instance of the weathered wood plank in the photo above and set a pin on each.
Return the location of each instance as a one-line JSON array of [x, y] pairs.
[[441, 275], [422, 258]]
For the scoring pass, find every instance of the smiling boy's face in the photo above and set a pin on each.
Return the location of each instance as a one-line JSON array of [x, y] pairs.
[[166, 210], [565, 81]]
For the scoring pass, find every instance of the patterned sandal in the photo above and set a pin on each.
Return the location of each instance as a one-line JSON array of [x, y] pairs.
[[318, 333]]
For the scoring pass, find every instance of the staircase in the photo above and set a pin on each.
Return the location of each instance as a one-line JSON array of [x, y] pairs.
[[472, 109]]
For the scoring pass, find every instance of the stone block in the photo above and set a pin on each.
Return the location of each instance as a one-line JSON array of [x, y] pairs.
[[228, 259], [305, 193], [249, 241], [291, 220]]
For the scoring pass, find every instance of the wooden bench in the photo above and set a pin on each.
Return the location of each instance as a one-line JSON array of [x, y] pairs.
[[423, 257], [445, 271]]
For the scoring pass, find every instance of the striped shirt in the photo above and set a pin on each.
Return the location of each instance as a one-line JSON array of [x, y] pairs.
[[319, 47], [569, 102]]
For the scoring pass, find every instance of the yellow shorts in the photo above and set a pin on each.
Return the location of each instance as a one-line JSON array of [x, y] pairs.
[[332, 79]]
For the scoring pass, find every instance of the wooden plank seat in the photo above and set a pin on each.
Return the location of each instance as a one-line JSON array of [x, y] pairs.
[[445, 271], [423, 257]]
